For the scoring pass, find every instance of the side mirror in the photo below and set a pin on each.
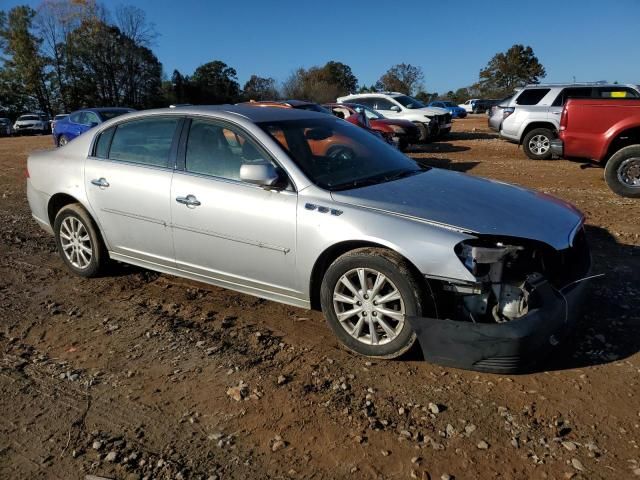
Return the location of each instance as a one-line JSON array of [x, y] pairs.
[[260, 173], [395, 108]]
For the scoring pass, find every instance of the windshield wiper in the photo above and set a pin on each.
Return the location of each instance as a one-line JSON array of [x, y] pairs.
[[385, 177]]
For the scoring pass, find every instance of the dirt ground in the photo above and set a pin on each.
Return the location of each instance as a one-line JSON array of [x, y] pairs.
[[140, 375]]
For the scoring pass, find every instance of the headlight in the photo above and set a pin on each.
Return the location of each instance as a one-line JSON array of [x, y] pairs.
[[477, 256]]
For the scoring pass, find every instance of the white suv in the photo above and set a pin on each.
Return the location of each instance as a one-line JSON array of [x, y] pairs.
[[432, 122], [532, 116]]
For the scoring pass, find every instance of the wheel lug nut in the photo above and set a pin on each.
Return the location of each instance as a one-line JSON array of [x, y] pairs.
[[366, 297], [375, 314], [359, 303], [364, 313]]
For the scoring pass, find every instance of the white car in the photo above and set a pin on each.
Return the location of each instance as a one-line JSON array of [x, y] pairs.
[[432, 122], [31, 123], [469, 105]]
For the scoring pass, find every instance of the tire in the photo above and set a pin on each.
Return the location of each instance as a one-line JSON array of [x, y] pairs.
[[622, 172], [74, 219], [537, 143], [62, 140], [398, 277]]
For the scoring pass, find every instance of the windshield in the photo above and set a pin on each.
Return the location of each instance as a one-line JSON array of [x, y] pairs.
[[449, 104], [109, 114], [409, 102], [28, 117], [337, 155], [369, 112]]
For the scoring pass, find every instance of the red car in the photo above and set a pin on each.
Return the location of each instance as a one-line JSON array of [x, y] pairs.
[[606, 131], [400, 133]]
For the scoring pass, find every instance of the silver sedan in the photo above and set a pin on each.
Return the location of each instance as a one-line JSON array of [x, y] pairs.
[[306, 209]]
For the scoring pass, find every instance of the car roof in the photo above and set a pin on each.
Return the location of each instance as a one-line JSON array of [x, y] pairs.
[[103, 109], [245, 110]]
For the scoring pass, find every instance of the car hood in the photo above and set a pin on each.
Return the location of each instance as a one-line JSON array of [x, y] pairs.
[[472, 204]]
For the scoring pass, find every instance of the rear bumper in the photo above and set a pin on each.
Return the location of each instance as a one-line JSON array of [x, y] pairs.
[[510, 347], [557, 147]]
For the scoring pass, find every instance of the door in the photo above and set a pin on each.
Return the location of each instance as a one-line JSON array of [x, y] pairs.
[[239, 234], [383, 106], [128, 183]]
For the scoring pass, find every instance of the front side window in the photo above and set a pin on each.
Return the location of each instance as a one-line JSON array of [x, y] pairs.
[[217, 150], [532, 96], [383, 104], [76, 117], [147, 141], [337, 155], [409, 102], [90, 117]]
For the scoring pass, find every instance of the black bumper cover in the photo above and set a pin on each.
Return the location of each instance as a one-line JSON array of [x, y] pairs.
[[511, 347]]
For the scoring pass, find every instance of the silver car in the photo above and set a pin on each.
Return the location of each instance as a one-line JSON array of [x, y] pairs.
[[306, 209]]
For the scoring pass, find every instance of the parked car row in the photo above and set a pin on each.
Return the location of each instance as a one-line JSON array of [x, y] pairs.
[[32, 124], [294, 205]]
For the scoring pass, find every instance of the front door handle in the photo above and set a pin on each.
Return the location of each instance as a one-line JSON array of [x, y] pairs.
[[100, 182], [189, 201]]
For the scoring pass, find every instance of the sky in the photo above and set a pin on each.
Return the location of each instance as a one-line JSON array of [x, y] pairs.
[[451, 40]]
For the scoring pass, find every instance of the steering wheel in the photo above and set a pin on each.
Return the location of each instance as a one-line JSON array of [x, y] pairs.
[[340, 153]]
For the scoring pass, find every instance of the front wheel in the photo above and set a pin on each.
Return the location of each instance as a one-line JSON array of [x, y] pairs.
[[537, 143], [63, 140], [366, 295], [622, 172]]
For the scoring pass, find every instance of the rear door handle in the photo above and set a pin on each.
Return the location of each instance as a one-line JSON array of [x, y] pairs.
[[100, 182], [189, 201]]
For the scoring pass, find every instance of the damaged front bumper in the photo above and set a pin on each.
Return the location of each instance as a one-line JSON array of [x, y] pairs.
[[510, 347]]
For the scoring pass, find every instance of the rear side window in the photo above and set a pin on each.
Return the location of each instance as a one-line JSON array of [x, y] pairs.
[[103, 143], [532, 96], [617, 92], [572, 92], [367, 102], [76, 117], [147, 141]]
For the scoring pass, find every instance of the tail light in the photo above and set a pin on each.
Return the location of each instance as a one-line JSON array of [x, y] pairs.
[[564, 119], [507, 111]]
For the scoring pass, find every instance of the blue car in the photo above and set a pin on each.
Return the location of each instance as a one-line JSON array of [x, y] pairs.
[[455, 110], [80, 121]]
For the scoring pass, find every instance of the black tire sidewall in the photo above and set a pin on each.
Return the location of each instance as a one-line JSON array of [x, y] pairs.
[[398, 272], [537, 131], [611, 172], [60, 138], [98, 254]]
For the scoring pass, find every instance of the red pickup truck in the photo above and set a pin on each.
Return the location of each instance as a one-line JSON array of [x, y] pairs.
[[608, 132]]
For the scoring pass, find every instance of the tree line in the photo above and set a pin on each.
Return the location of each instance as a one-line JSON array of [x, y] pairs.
[[69, 54]]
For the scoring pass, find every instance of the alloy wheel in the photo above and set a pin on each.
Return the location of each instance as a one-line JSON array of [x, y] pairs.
[[629, 172], [76, 242], [539, 144], [62, 141], [369, 306]]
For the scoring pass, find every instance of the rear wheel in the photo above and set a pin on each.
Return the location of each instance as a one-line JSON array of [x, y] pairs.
[[79, 242], [622, 172], [366, 295], [537, 143]]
